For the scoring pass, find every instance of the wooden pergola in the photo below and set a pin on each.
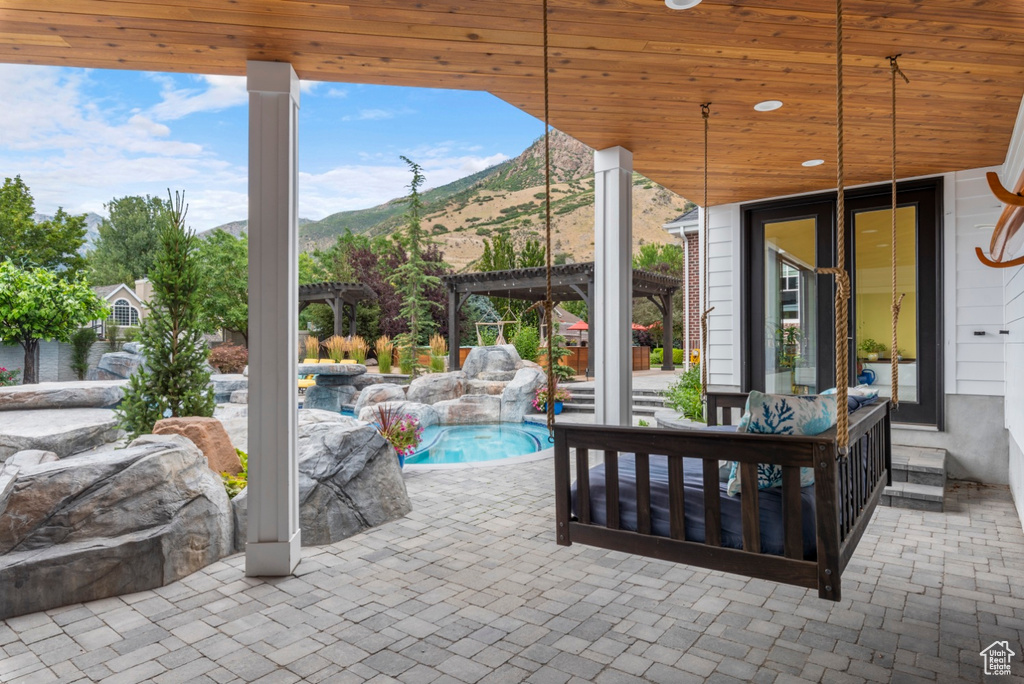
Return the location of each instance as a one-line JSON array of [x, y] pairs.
[[569, 283], [340, 297]]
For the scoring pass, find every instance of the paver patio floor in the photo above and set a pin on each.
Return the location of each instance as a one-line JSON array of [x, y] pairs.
[[470, 587]]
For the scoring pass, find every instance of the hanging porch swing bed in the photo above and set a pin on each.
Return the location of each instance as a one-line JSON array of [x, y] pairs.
[[647, 494]]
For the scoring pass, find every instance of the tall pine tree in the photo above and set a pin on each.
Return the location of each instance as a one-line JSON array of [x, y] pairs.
[[411, 279], [175, 381]]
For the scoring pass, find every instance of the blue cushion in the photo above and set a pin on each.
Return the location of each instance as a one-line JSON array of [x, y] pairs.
[[783, 414]]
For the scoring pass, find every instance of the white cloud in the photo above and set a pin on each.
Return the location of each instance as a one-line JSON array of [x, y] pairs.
[[219, 93], [337, 93], [365, 185], [376, 114], [78, 151]]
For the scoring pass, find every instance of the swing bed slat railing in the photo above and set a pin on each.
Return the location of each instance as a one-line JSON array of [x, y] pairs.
[[847, 489]]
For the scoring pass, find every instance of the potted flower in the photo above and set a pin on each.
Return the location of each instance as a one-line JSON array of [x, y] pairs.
[[540, 401], [871, 348], [403, 431]]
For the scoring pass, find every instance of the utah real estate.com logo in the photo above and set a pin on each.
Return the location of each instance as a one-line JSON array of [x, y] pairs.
[[997, 658]]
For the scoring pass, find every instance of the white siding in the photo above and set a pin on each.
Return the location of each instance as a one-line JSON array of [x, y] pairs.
[[1013, 301], [724, 292], [973, 291]]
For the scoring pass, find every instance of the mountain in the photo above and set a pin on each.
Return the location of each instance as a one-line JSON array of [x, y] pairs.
[[508, 198], [237, 228], [92, 228]]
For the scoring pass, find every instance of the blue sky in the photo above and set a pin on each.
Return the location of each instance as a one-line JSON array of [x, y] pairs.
[[80, 137]]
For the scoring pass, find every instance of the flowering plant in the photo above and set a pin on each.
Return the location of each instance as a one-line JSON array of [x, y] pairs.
[[8, 377], [401, 430], [541, 400]]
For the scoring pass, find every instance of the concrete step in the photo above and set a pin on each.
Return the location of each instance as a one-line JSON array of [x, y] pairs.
[[638, 409], [589, 391], [638, 400], [914, 496], [919, 465]]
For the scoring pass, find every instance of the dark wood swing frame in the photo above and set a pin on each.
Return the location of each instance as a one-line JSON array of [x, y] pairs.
[[845, 495]]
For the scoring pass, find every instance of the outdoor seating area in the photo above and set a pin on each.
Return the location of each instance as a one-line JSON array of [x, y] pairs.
[[470, 587]]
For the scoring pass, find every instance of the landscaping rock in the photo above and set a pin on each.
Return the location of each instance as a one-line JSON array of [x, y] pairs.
[[517, 399], [435, 387], [425, 414], [132, 348], [378, 394], [209, 435], [238, 431], [487, 359], [328, 398], [62, 431], [31, 457], [495, 376], [226, 383], [62, 395], [117, 366], [349, 481], [361, 382], [314, 416], [529, 364], [240, 396], [469, 409], [120, 522], [230, 411], [485, 387], [331, 369]]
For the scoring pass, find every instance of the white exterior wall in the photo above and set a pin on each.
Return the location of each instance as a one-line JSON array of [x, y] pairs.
[[724, 283], [1013, 313]]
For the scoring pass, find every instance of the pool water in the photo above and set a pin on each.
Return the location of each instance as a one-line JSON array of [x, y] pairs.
[[448, 444]]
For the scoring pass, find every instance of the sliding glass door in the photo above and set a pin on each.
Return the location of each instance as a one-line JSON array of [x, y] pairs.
[[788, 337]]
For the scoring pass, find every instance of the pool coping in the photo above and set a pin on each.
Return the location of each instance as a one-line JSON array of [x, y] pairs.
[[514, 460]]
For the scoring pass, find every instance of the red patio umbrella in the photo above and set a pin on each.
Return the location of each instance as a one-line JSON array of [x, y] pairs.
[[580, 326]]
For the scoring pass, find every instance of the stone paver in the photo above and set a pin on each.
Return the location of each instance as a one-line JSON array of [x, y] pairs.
[[470, 587]]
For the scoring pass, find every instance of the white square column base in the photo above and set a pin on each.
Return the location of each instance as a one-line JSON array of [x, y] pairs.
[[273, 559]]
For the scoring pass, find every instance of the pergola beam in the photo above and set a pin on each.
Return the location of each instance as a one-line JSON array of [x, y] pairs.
[[569, 283]]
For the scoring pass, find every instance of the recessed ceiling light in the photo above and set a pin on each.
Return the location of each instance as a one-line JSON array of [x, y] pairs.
[[768, 105], [813, 162], [681, 4]]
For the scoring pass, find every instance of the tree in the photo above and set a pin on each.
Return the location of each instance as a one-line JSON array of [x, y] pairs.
[[504, 253], [669, 260], [52, 245], [174, 381], [37, 304], [128, 240], [412, 278], [224, 259]]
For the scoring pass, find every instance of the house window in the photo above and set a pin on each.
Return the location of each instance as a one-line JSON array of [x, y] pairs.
[[124, 313]]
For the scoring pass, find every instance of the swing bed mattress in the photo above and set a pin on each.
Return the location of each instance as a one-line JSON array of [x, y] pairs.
[[772, 527]]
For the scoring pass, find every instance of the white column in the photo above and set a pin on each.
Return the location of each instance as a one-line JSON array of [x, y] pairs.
[[273, 515], [611, 335]]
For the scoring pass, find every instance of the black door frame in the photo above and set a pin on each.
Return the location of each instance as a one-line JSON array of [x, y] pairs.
[[927, 195]]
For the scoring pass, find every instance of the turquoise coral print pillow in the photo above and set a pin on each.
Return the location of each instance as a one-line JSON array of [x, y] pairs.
[[783, 414]]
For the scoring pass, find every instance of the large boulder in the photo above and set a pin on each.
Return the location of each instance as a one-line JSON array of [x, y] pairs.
[[495, 376], [517, 399], [469, 409], [491, 359], [224, 384], [378, 394], [328, 398], [62, 395], [495, 387], [435, 387], [230, 411], [240, 396], [117, 365], [119, 522], [423, 413], [209, 435], [31, 457], [349, 481], [62, 431]]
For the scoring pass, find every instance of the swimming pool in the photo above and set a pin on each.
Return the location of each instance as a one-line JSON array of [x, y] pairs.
[[462, 444]]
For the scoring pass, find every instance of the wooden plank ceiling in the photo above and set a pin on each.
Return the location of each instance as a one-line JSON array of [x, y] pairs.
[[624, 72]]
